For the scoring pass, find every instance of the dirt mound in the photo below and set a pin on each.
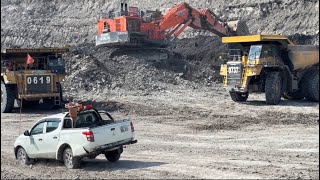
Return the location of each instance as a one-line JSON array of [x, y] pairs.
[[305, 39], [92, 70], [202, 52]]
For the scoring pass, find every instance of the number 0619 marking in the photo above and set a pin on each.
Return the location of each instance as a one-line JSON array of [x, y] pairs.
[[39, 80]]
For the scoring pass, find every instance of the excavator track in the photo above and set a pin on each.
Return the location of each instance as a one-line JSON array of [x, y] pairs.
[[147, 54]]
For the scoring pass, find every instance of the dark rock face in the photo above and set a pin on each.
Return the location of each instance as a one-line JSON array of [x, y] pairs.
[[53, 23]]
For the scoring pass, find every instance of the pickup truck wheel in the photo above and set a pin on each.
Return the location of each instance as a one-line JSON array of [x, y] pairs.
[[113, 156], [69, 161], [23, 157]]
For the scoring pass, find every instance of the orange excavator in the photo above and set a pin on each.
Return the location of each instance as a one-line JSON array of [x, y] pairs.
[[131, 29]]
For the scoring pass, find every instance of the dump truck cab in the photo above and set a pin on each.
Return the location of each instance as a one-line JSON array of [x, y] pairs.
[[28, 82], [271, 64]]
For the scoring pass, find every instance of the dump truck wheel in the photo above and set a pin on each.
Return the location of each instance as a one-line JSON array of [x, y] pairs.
[[312, 86], [273, 88], [239, 97], [298, 95], [7, 98]]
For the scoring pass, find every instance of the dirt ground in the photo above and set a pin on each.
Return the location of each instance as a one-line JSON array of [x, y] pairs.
[[185, 133]]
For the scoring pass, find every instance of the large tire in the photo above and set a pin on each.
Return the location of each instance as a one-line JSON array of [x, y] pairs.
[[312, 86], [113, 156], [239, 97], [273, 88], [23, 157], [297, 95], [69, 161], [7, 97]]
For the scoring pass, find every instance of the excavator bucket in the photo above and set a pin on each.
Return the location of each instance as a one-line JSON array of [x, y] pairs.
[[239, 27]]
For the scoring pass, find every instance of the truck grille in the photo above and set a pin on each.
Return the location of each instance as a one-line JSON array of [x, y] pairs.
[[38, 83], [234, 75]]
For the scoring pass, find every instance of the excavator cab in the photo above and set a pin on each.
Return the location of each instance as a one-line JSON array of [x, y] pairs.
[[124, 6], [123, 10]]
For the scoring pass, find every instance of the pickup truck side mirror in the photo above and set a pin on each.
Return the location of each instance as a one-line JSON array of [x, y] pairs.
[[26, 133]]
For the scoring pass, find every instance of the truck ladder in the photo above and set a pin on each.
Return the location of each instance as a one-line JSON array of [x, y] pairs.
[[244, 78], [57, 99]]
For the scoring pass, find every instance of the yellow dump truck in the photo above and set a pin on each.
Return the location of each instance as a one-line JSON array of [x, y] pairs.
[[271, 64], [32, 75]]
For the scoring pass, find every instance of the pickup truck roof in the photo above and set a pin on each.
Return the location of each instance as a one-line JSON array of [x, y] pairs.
[[60, 115], [66, 114], [55, 116]]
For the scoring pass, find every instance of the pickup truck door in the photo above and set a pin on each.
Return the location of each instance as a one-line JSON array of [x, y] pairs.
[[34, 144], [51, 138]]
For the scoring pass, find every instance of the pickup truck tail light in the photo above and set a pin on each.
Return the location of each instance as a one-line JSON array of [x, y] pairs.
[[132, 128], [89, 135]]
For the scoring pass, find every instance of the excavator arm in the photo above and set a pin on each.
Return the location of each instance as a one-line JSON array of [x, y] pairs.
[[182, 15]]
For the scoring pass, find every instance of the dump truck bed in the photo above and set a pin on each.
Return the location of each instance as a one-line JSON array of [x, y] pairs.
[[284, 40], [301, 56]]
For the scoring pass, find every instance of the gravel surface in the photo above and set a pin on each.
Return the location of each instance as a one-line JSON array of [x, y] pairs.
[[189, 134]]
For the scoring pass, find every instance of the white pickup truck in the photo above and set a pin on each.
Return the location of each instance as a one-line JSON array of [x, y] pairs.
[[54, 137]]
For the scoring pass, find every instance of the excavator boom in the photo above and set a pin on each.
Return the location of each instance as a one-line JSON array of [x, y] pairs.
[[182, 15]]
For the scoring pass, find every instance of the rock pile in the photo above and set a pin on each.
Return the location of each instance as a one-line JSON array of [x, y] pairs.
[[92, 70]]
